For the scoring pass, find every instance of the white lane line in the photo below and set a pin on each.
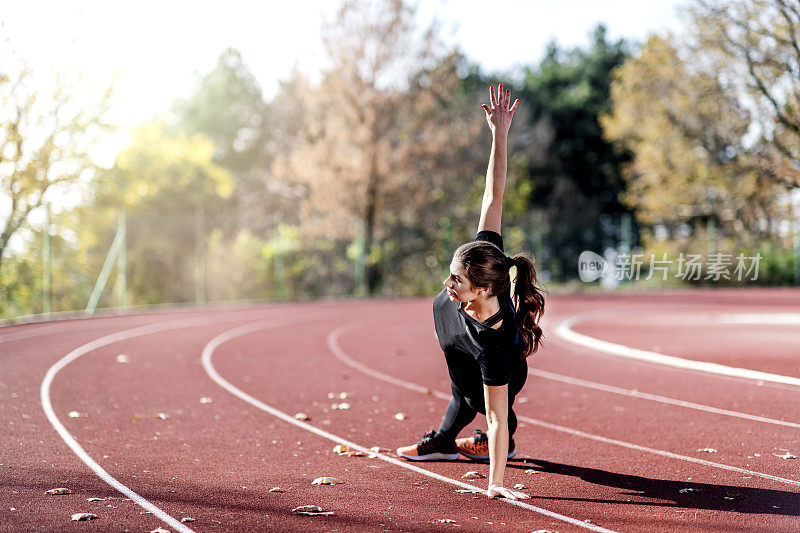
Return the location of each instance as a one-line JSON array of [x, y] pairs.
[[633, 393], [342, 356], [564, 331], [87, 323], [51, 329], [772, 319], [208, 352], [47, 405]]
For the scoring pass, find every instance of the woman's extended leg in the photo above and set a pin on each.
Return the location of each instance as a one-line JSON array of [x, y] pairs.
[[438, 445]]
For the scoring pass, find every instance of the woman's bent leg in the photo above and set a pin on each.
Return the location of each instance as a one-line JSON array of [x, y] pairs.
[[458, 416]]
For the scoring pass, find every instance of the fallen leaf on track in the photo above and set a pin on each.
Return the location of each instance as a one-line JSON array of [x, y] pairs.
[[59, 491], [311, 510], [82, 517], [708, 450], [162, 416], [122, 358], [446, 521], [95, 499], [786, 455], [302, 416], [473, 475], [532, 471], [378, 449], [733, 496], [687, 490], [400, 416], [520, 486], [76, 414], [206, 399], [342, 449], [277, 489], [326, 480], [186, 519]]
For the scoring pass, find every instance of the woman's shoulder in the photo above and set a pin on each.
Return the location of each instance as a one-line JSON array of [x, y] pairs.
[[490, 236], [442, 302]]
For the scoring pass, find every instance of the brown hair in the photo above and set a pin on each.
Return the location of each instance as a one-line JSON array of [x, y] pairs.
[[487, 266]]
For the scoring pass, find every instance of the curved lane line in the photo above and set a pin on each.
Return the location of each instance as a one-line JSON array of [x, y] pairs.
[[208, 365], [563, 329], [333, 344], [47, 405], [633, 393], [544, 374], [767, 319]]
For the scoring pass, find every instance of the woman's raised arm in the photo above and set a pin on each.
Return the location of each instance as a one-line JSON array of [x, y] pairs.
[[499, 116]]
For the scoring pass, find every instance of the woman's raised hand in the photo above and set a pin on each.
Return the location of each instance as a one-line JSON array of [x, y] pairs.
[[500, 113]]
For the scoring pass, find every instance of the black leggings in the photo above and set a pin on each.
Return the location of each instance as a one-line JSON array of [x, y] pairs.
[[462, 410]]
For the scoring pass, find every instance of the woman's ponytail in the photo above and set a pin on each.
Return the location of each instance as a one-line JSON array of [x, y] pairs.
[[529, 302]]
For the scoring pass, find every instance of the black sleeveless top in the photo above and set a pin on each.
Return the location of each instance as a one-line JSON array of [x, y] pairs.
[[477, 354]]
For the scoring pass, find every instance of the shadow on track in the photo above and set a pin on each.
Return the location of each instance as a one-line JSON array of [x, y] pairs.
[[705, 496]]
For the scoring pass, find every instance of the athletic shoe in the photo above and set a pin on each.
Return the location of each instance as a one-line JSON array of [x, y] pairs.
[[430, 448], [477, 446]]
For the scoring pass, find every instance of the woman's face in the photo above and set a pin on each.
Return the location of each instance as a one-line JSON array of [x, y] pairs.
[[459, 289]]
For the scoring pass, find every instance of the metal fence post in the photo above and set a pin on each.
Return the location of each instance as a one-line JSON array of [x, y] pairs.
[[361, 261], [280, 271], [711, 233], [111, 257], [626, 233], [122, 266], [797, 252], [47, 270], [200, 255]]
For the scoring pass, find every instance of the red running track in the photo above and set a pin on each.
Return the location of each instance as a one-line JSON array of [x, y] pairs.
[[614, 441]]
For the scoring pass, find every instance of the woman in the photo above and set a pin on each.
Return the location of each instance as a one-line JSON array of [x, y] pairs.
[[485, 335]]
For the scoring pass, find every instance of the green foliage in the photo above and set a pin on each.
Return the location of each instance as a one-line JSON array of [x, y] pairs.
[[575, 179], [778, 265], [165, 183], [228, 108], [254, 199]]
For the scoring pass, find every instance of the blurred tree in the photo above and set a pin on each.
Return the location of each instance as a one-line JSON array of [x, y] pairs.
[[162, 180], [573, 172], [754, 47], [45, 139], [228, 107], [384, 137], [710, 121], [688, 135]]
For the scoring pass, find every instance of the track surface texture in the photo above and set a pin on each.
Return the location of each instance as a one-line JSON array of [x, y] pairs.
[[615, 442]]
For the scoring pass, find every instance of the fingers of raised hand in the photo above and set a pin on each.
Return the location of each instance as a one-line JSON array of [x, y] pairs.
[[492, 98]]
